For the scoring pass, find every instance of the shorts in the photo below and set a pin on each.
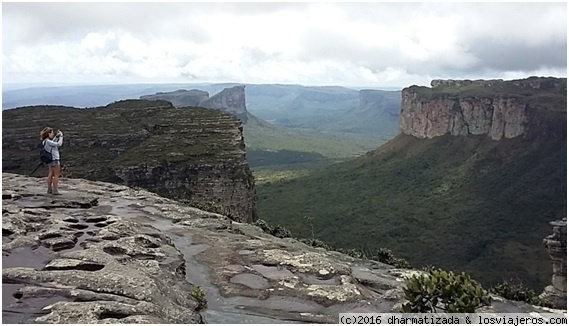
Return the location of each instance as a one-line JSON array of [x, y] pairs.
[[54, 163]]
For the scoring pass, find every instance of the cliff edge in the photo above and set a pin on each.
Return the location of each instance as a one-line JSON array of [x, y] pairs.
[[192, 154], [106, 253]]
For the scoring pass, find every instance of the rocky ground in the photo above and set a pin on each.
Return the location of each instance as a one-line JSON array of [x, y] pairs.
[[104, 253]]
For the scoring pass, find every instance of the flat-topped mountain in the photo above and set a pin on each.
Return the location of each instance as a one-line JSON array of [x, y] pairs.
[[376, 113], [328, 109], [230, 100], [470, 183], [499, 109], [264, 140], [194, 154], [180, 98]]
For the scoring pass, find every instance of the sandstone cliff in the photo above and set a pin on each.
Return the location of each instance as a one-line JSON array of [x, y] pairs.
[[105, 253], [230, 100], [196, 154], [499, 109]]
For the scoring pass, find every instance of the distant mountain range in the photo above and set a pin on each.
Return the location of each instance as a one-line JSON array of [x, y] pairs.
[[326, 109], [271, 144]]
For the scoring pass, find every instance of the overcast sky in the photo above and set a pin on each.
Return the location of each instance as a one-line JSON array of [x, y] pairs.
[[365, 44]]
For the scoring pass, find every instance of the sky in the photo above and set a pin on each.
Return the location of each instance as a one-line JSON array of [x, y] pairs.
[[345, 44]]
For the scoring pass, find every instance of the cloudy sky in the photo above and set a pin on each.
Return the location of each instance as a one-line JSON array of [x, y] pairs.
[[364, 44]]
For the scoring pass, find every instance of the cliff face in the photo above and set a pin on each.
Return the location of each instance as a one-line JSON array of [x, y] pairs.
[[499, 109], [230, 100], [196, 154]]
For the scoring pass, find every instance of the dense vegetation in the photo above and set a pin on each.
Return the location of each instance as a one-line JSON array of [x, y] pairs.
[[262, 136], [462, 203]]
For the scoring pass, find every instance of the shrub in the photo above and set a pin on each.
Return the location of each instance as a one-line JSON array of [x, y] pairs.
[[443, 291], [356, 253], [514, 289], [315, 243], [277, 231], [281, 232], [263, 225], [428, 268], [385, 255], [199, 295]]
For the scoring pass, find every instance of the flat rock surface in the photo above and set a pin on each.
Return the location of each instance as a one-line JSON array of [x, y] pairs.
[[104, 253]]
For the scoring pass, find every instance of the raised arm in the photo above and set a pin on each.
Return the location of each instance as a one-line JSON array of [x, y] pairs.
[[57, 143]]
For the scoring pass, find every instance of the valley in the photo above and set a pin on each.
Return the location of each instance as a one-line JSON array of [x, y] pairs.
[[442, 192], [470, 184]]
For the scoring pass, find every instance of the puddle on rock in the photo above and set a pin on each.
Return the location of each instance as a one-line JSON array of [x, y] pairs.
[[32, 202], [226, 317], [27, 257], [235, 268], [151, 210], [87, 226], [251, 280], [21, 310], [315, 280], [273, 272], [196, 249]]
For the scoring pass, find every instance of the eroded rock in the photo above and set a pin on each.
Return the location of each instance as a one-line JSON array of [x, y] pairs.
[[142, 266], [132, 287], [556, 246]]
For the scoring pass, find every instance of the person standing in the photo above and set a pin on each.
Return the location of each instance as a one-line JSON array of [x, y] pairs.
[[51, 142]]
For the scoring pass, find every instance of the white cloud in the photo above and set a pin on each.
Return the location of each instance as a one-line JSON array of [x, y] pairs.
[[364, 44]]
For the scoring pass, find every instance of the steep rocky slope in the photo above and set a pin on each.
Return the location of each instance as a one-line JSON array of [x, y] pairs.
[[196, 153]]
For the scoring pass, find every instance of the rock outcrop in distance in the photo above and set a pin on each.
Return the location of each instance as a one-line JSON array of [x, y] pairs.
[[499, 109], [194, 154], [106, 253], [180, 98], [230, 100], [556, 246]]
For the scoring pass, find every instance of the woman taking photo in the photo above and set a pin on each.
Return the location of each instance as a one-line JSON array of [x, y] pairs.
[[51, 143]]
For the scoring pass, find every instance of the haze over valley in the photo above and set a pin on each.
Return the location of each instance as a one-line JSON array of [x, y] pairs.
[[289, 170]]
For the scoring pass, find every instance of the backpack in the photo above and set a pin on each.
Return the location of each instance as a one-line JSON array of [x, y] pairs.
[[45, 156]]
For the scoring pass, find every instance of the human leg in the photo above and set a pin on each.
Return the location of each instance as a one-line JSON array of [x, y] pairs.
[[49, 179], [56, 172]]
